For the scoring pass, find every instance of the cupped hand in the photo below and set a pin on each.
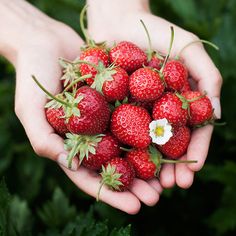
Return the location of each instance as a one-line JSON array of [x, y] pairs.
[[39, 56], [121, 23]]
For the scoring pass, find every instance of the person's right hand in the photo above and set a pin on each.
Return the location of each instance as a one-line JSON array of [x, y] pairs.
[[38, 42]]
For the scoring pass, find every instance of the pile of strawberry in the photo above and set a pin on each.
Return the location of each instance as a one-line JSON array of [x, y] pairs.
[[122, 109]]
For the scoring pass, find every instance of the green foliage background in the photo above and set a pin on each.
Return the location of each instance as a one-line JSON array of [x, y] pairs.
[[36, 198]]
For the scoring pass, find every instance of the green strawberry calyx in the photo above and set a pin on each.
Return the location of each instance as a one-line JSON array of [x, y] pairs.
[[110, 178], [66, 99], [81, 145], [71, 74]]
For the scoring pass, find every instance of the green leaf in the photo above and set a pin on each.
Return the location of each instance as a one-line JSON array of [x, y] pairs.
[[57, 212], [122, 231], [4, 205], [20, 216]]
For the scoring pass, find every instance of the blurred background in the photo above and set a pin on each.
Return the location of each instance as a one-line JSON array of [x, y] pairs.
[[36, 198]]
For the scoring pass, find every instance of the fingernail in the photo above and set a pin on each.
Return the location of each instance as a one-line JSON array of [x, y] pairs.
[[62, 160], [215, 101]]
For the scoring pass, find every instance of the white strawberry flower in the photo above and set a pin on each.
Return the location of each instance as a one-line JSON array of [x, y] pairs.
[[160, 131]]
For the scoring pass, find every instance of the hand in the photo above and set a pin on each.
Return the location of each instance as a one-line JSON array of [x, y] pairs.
[[121, 21], [39, 47]]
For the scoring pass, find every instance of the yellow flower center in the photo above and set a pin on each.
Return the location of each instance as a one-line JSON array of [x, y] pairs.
[[159, 131]]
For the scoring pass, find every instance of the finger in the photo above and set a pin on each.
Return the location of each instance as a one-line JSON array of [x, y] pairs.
[[155, 183], [167, 176], [198, 147], [144, 192], [203, 70], [183, 175], [89, 182]]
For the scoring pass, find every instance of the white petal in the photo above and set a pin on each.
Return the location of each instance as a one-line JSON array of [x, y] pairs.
[[152, 125], [162, 122]]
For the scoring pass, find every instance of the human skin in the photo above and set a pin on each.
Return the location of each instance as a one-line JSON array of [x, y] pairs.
[[118, 20], [33, 42]]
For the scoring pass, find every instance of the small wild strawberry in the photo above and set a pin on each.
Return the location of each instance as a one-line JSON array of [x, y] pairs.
[[130, 124], [128, 56], [146, 85], [178, 143], [175, 75], [117, 174], [147, 162], [169, 106], [200, 107]]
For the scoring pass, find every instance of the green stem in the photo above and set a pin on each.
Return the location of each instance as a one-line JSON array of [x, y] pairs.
[[72, 154], [177, 161], [81, 19], [76, 81], [197, 41], [99, 190], [169, 50], [125, 149], [149, 51], [48, 93]]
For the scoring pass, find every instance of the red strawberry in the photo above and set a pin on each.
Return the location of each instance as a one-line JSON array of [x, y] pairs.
[[200, 109], [112, 83], [55, 117], [130, 124], [143, 165], [146, 85], [175, 75], [155, 62], [169, 106], [147, 162], [92, 151], [117, 174], [106, 149], [128, 56], [177, 144], [93, 55], [186, 86], [90, 113]]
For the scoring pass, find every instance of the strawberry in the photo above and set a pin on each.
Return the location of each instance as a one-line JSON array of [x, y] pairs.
[[155, 62], [147, 162], [178, 143], [92, 151], [170, 106], [175, 75], [186, 86], [88, 113], [146, 85], [117, 174], [55, 117], [92, 55], [200, 107], [113, 83], [106, 149], [144, 167], [128, 56], [130, 124]]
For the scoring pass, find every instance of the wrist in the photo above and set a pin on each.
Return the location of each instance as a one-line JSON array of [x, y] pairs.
[[113, 10]]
